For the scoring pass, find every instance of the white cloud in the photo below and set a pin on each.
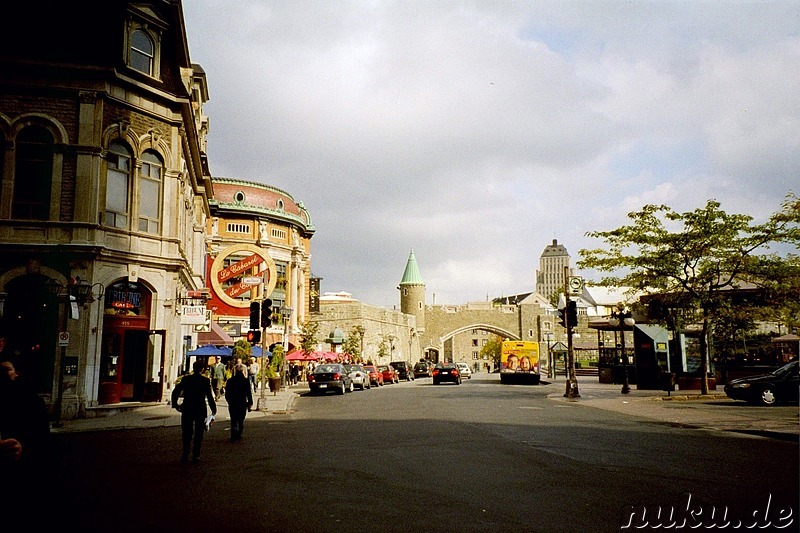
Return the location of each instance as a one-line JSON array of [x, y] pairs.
[[475, 132]]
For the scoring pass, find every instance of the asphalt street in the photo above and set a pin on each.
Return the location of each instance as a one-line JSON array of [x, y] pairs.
[[416, 457]]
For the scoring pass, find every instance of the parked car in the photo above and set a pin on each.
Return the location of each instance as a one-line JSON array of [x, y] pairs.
[[375, 377], [404, 370], [781, 385], [422, 370], [446, 372], [359, 376], [330, 376], [465, 370], [389, 374]]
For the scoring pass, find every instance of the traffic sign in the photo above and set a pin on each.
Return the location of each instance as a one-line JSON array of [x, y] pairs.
[[575, 285], [63, 338]]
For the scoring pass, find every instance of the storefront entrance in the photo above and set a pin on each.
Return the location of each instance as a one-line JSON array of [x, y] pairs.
[[132, 358]]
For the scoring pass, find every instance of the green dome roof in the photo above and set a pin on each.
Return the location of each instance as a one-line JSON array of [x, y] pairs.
[[412, 276]]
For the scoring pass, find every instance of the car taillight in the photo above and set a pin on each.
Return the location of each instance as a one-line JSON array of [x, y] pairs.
[[311, 377], [455, 371], [435, 372], [337, 376]]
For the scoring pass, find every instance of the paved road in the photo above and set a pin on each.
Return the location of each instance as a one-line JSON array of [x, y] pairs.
[[418, 457]]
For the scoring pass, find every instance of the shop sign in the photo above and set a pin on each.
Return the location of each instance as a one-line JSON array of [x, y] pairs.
[[193, 314], [239, 267]]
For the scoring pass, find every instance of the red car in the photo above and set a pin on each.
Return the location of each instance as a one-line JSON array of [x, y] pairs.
[[390, 375], [375, 377]]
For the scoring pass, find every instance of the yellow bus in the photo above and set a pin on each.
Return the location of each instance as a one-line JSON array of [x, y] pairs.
[[519, 363]]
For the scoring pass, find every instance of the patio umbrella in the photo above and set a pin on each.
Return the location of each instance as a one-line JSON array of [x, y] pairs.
[[207, 350], [300, 355], [256, 351]]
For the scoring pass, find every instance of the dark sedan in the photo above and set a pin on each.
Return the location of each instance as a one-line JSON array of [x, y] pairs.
[[782, 385], [446, 372], [330, 377]]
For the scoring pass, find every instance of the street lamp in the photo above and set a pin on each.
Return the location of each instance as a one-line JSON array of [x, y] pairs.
[[623, 319], [81, 292], [287, 315]]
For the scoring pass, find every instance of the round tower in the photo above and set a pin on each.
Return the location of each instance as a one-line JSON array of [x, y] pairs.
[[412, 293]]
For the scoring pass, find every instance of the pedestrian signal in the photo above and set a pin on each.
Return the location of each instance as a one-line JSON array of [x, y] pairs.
[[254, 336]]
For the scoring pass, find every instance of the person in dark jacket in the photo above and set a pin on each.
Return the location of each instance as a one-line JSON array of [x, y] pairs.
[[239, 396], [195, 389], [27, 454]]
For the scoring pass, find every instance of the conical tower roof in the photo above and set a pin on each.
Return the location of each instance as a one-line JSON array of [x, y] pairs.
[[412, 276]]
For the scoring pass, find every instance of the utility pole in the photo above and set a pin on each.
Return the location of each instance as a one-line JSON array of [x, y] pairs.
[[572, 380]]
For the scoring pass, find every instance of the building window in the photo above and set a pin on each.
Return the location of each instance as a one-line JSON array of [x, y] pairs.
[[239, 197], [150, 178], [142, 52], [234, 227], [33, 174], [117, 185], [278, 234], [474, 342]]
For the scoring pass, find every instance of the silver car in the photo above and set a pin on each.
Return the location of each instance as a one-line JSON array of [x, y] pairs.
[[466, 371], [359, 376]]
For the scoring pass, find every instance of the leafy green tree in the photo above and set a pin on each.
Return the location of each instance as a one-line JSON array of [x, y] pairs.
[[352, 345], [492, 350], [698, 258], [308, 336]]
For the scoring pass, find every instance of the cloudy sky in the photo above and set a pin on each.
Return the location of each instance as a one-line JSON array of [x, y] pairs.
[[476, 132]]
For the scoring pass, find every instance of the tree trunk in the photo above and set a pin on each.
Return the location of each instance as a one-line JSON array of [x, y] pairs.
[[704, 354]]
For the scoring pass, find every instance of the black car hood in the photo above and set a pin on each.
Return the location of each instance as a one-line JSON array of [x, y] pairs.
[[761, 378]]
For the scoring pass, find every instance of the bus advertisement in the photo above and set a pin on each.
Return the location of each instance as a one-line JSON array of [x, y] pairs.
[[519, 363]]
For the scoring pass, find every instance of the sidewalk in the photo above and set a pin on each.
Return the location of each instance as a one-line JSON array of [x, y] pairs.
[[687, 408], [151, 415]]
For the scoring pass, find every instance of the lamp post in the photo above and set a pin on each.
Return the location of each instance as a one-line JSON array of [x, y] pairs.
[[623, 318], [391, 338], [287, 315], [80, 292]]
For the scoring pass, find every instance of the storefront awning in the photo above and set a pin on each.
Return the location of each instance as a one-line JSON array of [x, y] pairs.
[[217, 336]]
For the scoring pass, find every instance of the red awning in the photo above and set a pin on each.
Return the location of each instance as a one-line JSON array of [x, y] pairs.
[[217, 336]]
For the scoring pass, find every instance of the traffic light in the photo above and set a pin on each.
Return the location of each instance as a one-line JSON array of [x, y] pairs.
[[562, 317], [266, 313], [572, 313], [254, 336], [254, 308]]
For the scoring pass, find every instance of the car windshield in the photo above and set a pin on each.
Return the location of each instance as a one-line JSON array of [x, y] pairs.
[[786, 369], [327, 368]]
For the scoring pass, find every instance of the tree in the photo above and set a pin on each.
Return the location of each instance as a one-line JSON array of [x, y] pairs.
[[492, 350], [243, 349], [697, 258], [308, 336], [354, 343]]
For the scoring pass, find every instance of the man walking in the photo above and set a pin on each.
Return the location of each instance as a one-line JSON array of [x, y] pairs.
[[240, 400], [218, 377], [252, 372], [195, 389]]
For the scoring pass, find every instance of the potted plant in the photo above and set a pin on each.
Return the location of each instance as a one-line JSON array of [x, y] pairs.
[[275, 368]]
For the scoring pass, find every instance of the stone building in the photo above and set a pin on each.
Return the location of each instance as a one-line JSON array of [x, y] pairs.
[[104, 191], [265, 231], [550, 276], [387, 334]]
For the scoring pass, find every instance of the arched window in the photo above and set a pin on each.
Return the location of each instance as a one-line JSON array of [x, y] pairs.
[[150, 179], [141, 52], [33, 174], [117, 185]]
